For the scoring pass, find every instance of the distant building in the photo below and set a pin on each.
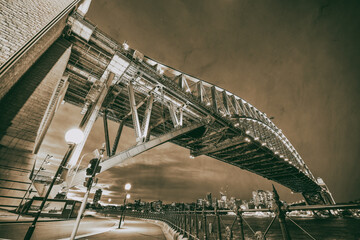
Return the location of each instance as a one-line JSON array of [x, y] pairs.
[[156, 206], [200, 202], [209, 199], [262, 199], [231, 203]]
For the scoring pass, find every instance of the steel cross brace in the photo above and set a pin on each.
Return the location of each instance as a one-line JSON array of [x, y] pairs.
[[134, 151]]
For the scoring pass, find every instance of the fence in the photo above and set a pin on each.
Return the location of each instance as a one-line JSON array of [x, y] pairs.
[[217, 224]]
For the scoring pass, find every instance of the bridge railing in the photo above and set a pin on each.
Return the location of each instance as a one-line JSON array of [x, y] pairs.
[[235, 224]]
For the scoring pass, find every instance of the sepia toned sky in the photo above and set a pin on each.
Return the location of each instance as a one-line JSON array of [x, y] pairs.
[[297, 61]]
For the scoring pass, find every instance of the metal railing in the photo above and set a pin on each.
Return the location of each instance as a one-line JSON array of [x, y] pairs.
[[212, 224], [232, 224]]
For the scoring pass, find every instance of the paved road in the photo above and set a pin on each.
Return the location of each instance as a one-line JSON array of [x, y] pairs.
[[90, 228]]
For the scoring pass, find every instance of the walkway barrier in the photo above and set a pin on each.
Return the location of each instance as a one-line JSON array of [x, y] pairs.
[[231, 224], [226, 224]]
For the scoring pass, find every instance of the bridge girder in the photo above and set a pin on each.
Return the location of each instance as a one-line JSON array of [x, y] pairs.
[[239, 133]]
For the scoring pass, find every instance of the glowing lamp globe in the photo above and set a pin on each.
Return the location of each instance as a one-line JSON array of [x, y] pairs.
[[127, 186], [74, 135], [127, 196]]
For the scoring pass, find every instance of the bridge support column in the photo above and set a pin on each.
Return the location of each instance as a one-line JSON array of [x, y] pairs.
[[117, 138], [92, 114]]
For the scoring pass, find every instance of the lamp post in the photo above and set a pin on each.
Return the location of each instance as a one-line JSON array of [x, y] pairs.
[[93, 169], [127, 196], [72, 137]]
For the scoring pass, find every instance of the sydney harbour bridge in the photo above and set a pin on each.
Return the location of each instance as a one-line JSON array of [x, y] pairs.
[[161, 104]]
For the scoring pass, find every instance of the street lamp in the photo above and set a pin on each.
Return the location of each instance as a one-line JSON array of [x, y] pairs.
[[72, 137], [127, 196], [127, 186]]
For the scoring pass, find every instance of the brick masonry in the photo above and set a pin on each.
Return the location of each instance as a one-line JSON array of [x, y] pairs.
[[24, 107], [20, 21]]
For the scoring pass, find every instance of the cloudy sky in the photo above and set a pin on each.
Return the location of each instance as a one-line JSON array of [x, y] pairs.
[[297, 61]]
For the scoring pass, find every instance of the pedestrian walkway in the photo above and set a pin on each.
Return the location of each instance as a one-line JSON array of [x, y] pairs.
[[132, 229], [91, 227]]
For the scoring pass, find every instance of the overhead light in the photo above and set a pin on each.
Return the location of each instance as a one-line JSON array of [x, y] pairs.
[[191, 157], [160, 70], [263, 144], [247, 140], [208, 104], [247, 132], [256, 138], [74, 136], [125, 46], [127, 186], [236, 124]]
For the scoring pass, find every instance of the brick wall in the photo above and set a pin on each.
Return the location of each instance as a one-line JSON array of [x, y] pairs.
[[21, 21], [24, 107]]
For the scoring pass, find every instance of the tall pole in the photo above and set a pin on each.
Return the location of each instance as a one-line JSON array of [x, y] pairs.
[[240, 222], [83, 204], [122, 212], [31, 229], [281, 214], [80, 213], [122, 216]]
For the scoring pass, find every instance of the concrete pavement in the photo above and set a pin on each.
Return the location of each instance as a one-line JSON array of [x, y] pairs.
[[132, 229], [91, 227]]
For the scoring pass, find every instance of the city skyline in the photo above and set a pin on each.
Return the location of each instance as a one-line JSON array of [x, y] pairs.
[[223, 42]]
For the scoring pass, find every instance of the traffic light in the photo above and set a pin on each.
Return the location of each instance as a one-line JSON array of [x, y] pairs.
[[88, 181], [97, 196], [93, 167]]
